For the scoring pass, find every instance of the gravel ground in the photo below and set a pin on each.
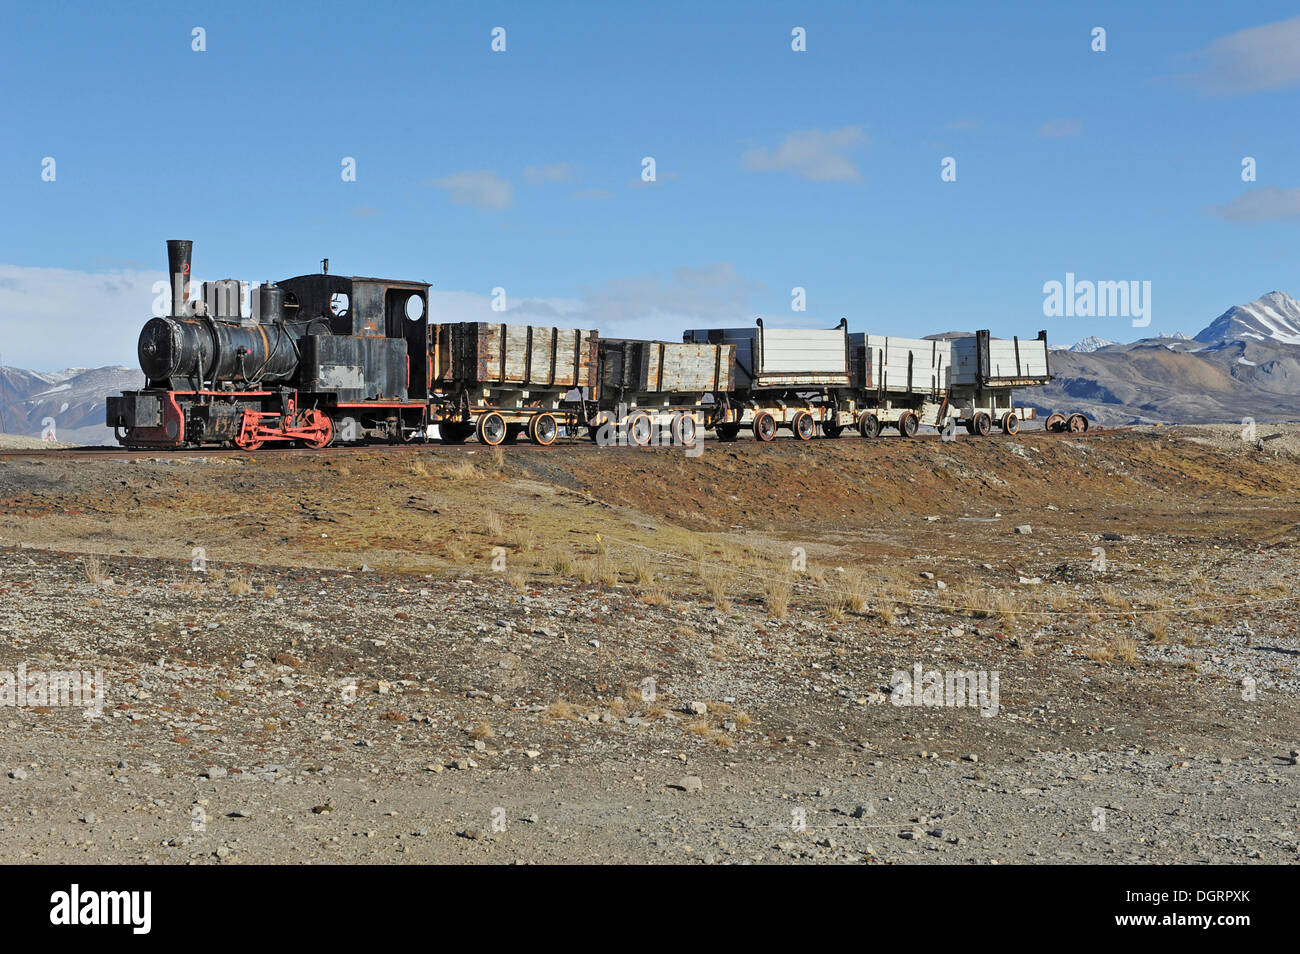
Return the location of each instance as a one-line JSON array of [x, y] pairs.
[[268, 709]]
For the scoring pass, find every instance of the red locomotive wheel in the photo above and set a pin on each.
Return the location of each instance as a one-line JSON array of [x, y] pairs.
[[981, 424], [727, 432], [491, 429], [543, 429], [868, 425], [764, 426], [1077, 424], [325, 435], [803, 426], [1055, 423], [1010, 423], [832, 430], [909, 424]]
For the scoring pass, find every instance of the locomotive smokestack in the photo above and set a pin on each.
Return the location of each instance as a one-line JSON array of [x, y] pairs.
[[178, 273]]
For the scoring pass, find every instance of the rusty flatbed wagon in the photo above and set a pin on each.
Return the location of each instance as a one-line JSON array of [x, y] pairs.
[[660, 391], [498, 380]]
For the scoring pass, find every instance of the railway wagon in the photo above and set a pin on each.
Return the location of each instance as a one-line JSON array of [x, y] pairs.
[[497, 381], [661, 391], [902, 382], [792, 378], [985, 370]]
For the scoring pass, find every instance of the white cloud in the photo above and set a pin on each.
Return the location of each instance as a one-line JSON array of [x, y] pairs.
[[1260, 58], [483, 189], [639, 306], [54, 318], [1060, 128], [1264, 204], [811, 154], [557, 172]]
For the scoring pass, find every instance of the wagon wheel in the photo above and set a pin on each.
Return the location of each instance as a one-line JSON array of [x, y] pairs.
[[639, 429], [1055, 423], [727, 432], [868, 425], [543, 429], [1010, 423], [491, 429], [1077, 424], [832, 430], [908, 424], [764, 426], [685, 430], [981, 424], [803, 427]]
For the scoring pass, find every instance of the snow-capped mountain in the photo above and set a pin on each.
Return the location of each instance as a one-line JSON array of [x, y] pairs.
[[1089, 344], [73, 399], [1274, 317], [1245, 363]]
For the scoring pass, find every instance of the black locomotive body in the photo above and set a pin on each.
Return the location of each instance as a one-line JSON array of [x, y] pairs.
[[318, 358]]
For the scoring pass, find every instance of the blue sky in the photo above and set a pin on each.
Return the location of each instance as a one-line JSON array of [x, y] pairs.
[[522, 169]]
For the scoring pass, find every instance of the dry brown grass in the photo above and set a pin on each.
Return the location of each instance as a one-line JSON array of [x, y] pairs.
[[1110, 596], [418, 469], [493, 525], [240, 584], [641, 570], [522, 539], [561, 563], [481, 732], [561, 710], [1157, 627], [498, 458], [517, 579], [855, 587], [94, 569], [460, 470], [598, 570], [654, 596], [1125, 649], [776, 595]]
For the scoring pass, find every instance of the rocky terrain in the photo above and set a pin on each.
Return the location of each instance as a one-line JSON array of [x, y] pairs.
[[591, 655]]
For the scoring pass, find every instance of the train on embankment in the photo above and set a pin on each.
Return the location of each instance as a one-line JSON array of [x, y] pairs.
[[328, 359]]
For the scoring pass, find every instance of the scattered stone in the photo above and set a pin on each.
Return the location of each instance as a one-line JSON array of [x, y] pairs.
[[691, 784]]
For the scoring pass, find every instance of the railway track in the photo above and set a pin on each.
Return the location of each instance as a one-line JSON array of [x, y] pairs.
[[579, 444]]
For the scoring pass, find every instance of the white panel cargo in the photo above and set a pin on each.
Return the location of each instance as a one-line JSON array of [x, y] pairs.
[[784, 357], [903, 365], [982, 360]]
